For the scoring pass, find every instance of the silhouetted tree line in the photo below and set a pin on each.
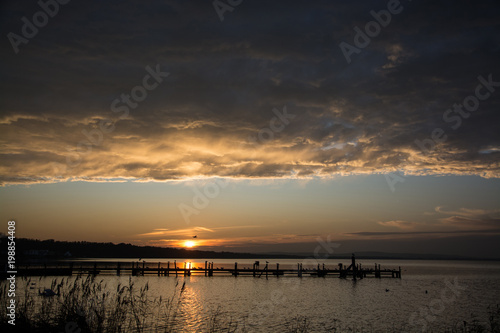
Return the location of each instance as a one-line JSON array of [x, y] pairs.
[[33, 248]]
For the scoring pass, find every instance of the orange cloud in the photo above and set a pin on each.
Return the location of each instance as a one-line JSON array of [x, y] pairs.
[[188, 232], [399, 224], [471, 218]]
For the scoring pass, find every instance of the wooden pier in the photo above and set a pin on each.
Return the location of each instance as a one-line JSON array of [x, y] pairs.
[[169, 268]]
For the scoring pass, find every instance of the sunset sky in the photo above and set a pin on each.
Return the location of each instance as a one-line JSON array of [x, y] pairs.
[[252, 125]]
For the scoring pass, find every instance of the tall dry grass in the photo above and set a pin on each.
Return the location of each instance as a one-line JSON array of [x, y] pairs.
[[89, 305]]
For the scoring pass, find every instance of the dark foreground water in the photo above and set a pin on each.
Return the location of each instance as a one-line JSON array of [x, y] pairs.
[[432, 295]]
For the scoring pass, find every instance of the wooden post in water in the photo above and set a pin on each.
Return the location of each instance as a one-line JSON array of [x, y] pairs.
[[266, 268], [353, 264], [175, 267], [158, 268], [118, 269], [206, 268], [277, 270]]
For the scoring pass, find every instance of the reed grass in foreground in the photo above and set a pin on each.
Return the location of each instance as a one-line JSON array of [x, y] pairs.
[[88, 305]]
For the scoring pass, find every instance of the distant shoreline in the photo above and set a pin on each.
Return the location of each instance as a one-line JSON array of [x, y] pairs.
[[42, 250], [290, 257]]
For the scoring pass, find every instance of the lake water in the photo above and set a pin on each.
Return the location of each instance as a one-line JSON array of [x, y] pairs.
[[432, 295]]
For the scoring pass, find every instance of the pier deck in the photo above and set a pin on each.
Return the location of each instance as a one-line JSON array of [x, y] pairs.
[[187, 269]]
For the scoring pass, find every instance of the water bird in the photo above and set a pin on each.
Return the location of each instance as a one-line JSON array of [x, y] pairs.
[[426, 292], [386, 290], [196, 236], [47, 292]]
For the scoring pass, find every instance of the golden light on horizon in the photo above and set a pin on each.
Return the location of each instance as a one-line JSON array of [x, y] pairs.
[[189, 244]]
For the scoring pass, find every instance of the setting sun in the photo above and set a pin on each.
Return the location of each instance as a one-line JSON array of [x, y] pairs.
[[189, 244]]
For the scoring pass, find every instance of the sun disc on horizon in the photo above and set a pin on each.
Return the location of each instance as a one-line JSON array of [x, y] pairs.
[[189, 243]]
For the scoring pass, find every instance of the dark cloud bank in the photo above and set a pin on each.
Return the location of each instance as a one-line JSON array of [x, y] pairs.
[[213, 114]]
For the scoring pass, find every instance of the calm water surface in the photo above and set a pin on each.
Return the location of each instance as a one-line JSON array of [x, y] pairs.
[[436, 295]]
